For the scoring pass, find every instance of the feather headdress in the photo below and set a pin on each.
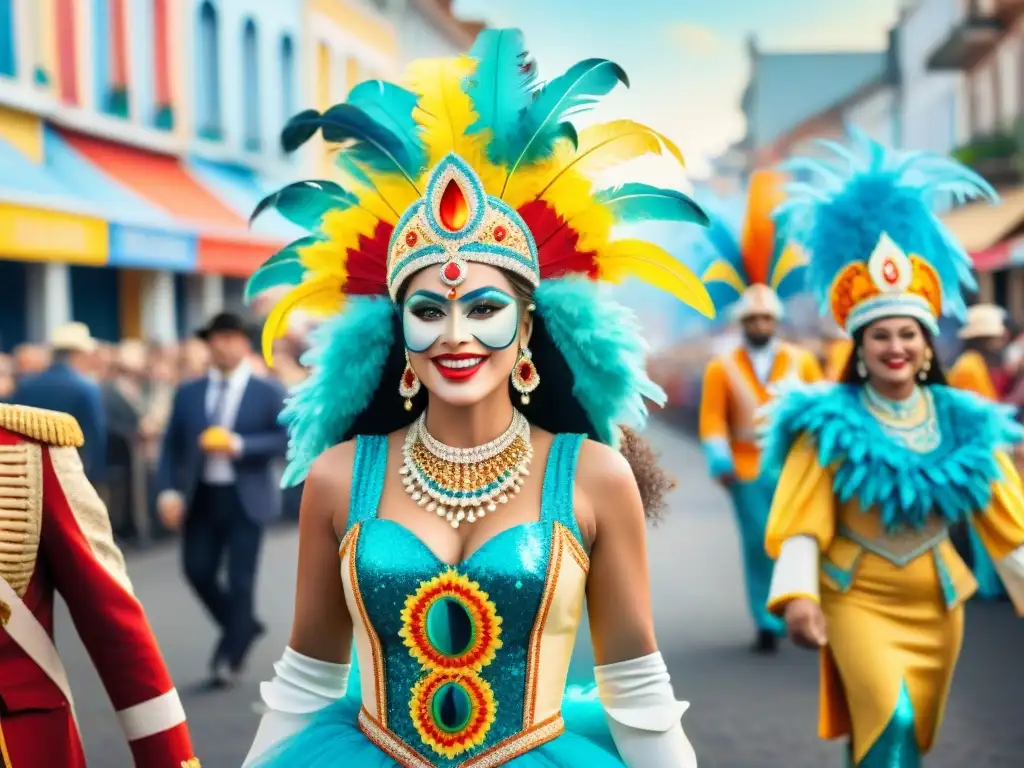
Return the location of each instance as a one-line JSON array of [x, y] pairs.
[[876, 247], [752, 268], [478, 139], [473, 161]]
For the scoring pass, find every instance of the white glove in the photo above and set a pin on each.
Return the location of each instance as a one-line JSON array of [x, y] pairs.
[[643, 714], [301, 688]]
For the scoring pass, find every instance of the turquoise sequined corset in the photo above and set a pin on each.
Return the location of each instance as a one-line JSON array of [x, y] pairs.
[[463, 657]]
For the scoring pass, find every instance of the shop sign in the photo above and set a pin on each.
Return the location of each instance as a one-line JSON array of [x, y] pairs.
[[151, 248], [37, 234]]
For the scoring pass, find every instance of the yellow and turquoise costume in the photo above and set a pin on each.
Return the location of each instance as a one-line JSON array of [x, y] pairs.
[[751, 272], [465, 665], [867, 487]]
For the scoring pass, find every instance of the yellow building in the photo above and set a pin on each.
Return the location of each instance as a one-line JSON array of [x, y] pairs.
[[346, 43]]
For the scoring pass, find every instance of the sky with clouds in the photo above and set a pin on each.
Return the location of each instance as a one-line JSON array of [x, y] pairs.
[[686, 59]]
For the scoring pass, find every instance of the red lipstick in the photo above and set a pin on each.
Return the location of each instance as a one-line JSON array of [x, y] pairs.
[[458, 367]]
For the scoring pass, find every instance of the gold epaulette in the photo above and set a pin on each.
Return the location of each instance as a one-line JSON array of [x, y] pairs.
[[49, 427]]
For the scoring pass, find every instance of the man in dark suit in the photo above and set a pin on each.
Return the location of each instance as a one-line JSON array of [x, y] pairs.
[[65, 386], [215, 475]]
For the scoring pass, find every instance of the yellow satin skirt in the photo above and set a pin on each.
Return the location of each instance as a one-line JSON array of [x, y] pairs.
[[892, 627]]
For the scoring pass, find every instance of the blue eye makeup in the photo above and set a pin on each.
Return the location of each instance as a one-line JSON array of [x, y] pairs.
[[489, 315]]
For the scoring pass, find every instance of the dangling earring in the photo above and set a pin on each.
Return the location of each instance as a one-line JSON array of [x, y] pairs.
[[862, 368], [409, 386], [524, 376], [926, 368]]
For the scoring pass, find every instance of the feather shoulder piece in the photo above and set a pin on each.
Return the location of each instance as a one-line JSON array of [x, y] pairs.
[[904, 486]]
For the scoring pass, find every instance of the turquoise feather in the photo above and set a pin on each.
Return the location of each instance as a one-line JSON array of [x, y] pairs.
[[369, 143], [867, 190], [286, 272], [603, 345], [392, 107], [634, 202], [501, 88], [271, 272], [906, 488], [546, 119], [322, 409], [304, 203]]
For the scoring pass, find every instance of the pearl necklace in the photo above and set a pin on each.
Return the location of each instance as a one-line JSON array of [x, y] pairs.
[[463, 484]]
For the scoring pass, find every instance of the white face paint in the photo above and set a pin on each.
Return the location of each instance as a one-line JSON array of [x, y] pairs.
[[488, 314]]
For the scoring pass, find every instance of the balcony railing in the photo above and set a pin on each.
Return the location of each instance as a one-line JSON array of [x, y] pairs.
[[971, 37], [998, 157]]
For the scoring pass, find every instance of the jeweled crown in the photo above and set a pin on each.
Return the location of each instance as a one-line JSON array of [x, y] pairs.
[[889, 283], [457, 223]]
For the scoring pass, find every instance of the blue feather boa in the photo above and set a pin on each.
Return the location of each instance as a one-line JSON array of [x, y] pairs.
[[603, 345], [348, 355], [955, 480]]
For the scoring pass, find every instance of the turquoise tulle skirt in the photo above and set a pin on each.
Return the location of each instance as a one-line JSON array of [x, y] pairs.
[[333, 739]]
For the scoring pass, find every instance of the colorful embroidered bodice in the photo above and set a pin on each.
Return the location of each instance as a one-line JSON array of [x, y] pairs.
[[463, 665]]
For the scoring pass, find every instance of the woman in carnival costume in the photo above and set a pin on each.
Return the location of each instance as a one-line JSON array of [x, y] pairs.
[[752, 273], [459, 435], [874, 470]]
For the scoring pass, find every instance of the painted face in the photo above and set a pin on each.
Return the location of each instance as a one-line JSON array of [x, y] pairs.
[[894, 350], [488, 314], [463, 348]]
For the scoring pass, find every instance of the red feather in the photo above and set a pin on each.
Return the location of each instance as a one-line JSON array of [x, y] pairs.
[[557, 243], [367, 265]]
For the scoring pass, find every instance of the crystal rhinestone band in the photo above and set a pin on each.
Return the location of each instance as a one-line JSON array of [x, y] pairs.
[[480, 453], [465, 483]]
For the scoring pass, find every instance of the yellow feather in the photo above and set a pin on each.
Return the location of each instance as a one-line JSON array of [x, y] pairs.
[[324, 258], [655, 266], [446, 112], [343, 229], [724, 272], [792, 258], [323, 295], [607, 144]]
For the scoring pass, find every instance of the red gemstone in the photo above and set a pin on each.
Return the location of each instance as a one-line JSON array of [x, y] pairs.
[[525, 371], [409, 378], [890, 273], [499, 233], [453, 294], [453, 210], [411, 238], [452, 271]]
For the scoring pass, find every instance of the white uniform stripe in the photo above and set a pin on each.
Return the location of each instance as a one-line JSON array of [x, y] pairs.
[[150, 717]]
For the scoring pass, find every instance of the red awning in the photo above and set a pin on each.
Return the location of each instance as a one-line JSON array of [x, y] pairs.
[[225, 245]]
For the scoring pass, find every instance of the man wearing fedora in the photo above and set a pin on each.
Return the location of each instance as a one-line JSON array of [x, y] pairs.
[[215, 481], [65, 386], [981, 369]]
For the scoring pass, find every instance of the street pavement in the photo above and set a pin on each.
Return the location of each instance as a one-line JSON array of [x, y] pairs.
[[746, 711]]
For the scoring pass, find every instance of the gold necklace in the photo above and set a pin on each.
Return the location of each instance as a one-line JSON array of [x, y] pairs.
[[464, 484]]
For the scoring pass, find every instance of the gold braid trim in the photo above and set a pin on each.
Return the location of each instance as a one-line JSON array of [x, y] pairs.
[[193, 763], [21, 513], [49, 427]]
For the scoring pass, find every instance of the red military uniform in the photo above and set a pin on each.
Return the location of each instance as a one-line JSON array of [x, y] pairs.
[[55, 536]]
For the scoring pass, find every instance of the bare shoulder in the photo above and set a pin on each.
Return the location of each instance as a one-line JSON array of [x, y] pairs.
[[328, 484], [606, 482]]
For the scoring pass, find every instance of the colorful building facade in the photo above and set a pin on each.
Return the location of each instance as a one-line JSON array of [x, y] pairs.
[[123, 197]]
